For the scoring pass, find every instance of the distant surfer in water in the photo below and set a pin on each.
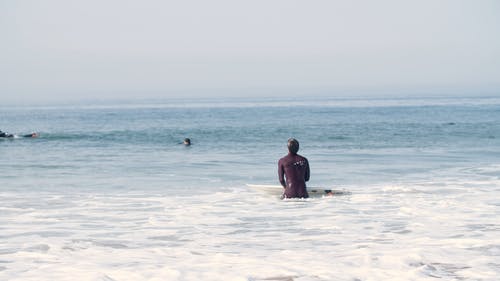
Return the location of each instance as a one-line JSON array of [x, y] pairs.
[[293, 172], [5, 135], [187, 142]]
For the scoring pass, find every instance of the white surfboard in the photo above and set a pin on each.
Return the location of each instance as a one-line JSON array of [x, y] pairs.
[[277, 190]]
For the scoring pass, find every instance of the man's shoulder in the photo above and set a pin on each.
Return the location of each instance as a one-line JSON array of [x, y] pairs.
[[302, 157], [291, 158]]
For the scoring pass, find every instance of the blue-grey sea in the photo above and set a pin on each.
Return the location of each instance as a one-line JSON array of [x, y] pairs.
[[108, 192]]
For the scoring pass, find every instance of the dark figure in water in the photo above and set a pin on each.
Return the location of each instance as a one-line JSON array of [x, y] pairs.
[[293, 172], [5, 135], [187, 142]]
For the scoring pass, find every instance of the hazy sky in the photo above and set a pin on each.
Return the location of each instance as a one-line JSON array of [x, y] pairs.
[[62, 49]]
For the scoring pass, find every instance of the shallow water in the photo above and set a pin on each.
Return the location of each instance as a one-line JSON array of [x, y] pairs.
[[107, 193]]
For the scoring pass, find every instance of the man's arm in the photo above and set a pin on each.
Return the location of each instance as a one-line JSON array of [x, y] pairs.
[[281, 174], [308, 171]]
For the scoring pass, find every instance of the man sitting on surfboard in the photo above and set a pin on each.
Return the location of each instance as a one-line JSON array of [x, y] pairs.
[[293, 172]]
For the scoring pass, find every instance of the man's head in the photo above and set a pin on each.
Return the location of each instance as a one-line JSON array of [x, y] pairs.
[[293, 145]]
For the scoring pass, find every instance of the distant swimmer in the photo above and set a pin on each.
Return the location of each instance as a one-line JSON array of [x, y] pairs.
[[32, 135], [5, 135], [187, 142], [293, 172]]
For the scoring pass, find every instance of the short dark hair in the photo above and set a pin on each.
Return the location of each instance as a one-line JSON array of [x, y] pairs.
[[293, 145]]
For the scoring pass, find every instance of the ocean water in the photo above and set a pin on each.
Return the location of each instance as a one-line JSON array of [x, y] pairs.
[[107, 192]]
